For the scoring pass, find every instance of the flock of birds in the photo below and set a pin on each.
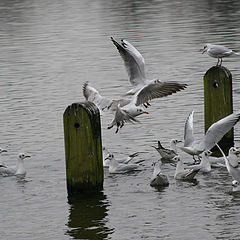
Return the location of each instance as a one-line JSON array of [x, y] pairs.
[[127, 109]]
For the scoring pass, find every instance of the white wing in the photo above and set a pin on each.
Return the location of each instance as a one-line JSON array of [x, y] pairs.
[[217, 130], [133, 61], [92, 95], [188, 131], [157, 89]]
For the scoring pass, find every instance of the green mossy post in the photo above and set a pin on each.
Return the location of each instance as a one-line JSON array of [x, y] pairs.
[[83, 148], [218, 102]]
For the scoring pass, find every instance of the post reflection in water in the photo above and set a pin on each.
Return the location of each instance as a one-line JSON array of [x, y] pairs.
[[87, 216]]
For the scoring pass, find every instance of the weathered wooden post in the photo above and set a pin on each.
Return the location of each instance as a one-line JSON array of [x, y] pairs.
[[218, 101], [83, 148]]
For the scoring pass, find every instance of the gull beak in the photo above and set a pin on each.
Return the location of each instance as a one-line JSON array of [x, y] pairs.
[[146, 112], [27, 156], [179, 141], [4, 150], [203, 50]]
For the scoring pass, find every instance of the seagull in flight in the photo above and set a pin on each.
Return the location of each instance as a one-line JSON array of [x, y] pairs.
[[135, 66], [213, 135], [91, 94], [218, 51]]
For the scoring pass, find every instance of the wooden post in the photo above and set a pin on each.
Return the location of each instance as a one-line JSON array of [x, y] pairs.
[[218, 101], [83, 148]]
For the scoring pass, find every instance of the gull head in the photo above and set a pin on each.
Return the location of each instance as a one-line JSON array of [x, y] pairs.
[[207, 153], [235, 183], [175, 141], [234, 151], [205, 48], [109, 157], [2, 150], [141, 110], [23, 156], [176, 159]]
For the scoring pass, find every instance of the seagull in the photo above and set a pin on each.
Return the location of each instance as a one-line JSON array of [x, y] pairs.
[[91, 94], [233, 171], [115, 167], [135, 66], [236, 186], [158, 179], [181, 173], [125, 160], [18, 170], [218, 51], [1, 151], [167, 154], [204, 165], [213, 135], [148, 92]]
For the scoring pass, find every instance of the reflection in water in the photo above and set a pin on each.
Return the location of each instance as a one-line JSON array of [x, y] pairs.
[[87, 218]]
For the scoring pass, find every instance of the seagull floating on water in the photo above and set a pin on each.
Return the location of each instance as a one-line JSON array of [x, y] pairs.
[[168, 154], [204, 165], [213, 135], [218, 51], [181, 173], [115, 167], [18, 170], [158, 179], [125, 160]]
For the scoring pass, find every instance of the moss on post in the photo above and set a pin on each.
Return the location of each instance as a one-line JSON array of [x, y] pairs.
[[218, 101], [83, 148]]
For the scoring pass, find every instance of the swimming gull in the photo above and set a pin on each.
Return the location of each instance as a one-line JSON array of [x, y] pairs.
[[218, 51], [204, 165], [181, 173], [158, 179], [213, 135], [18, 170], [125, 160], [115, 167], [167, 154]]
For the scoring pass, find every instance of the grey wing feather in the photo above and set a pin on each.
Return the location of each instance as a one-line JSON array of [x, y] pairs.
[[133, 61], [157, 90]]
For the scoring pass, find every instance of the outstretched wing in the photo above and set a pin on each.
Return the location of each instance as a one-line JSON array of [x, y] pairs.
[[133, 61], [217, 130], [92, 95], [157, 89]]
